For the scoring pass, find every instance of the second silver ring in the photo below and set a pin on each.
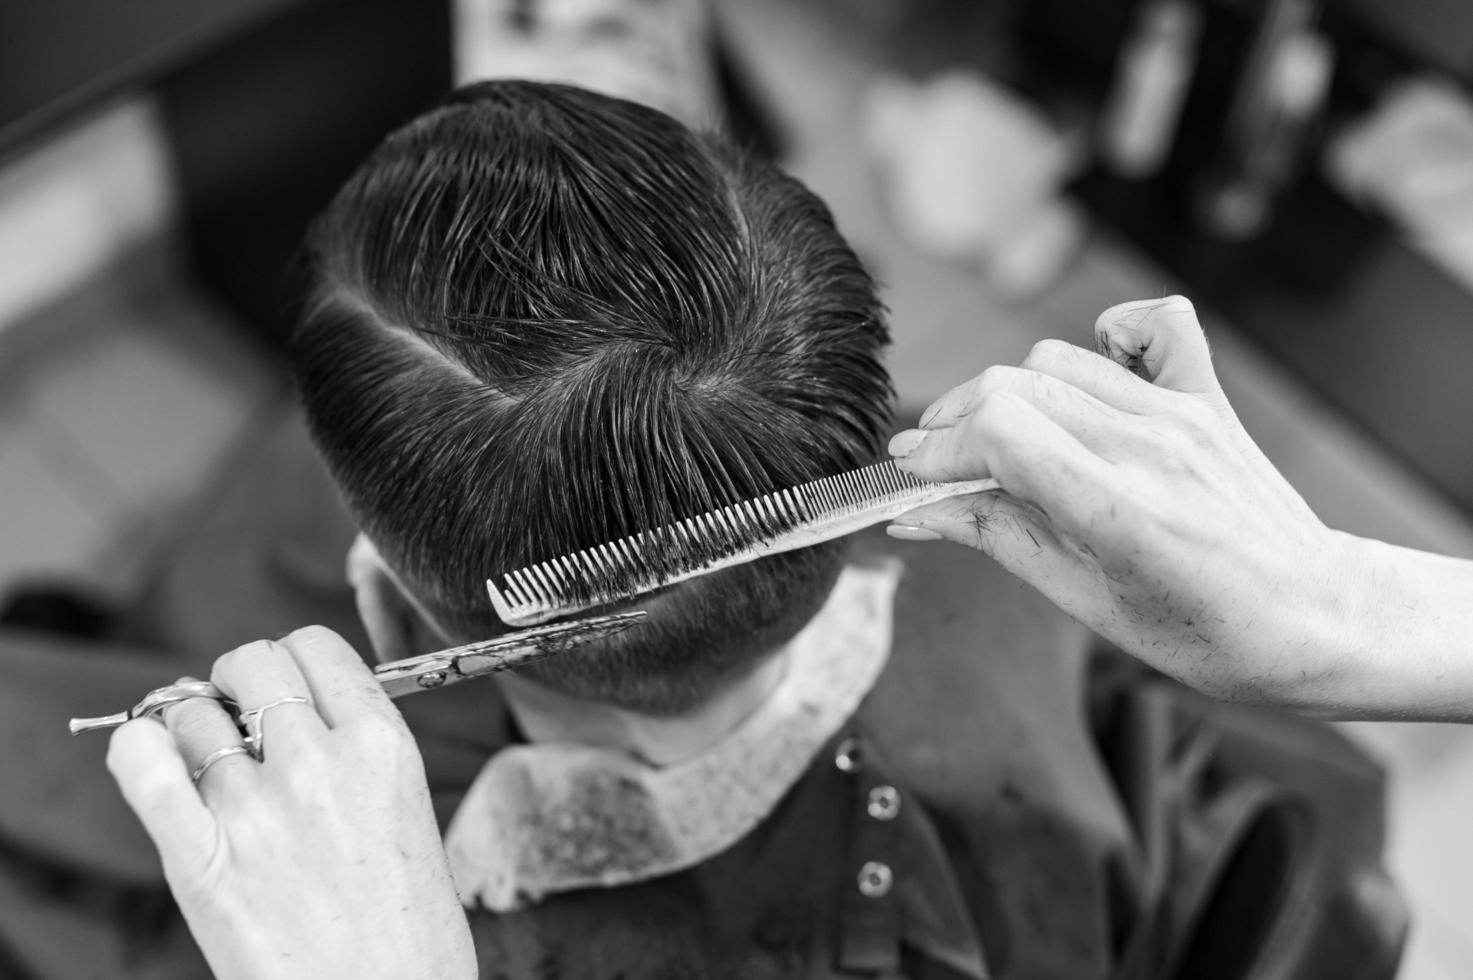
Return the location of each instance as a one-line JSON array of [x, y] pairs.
[[253, 722], [216, 756]]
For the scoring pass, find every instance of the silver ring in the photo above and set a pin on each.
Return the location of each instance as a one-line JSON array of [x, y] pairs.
[[215, 757], [254, 723]]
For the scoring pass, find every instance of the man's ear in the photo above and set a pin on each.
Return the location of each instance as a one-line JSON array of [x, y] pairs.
[[396, 625]]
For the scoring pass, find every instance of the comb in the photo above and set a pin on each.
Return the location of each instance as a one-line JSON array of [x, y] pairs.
[[784, 520]]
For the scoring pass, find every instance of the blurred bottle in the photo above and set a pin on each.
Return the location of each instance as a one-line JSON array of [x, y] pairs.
[[1143, 109], [972, 172], [1279, 97]]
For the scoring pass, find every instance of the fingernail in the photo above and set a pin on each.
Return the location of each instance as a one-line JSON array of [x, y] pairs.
[[907, 442], [912, 532]]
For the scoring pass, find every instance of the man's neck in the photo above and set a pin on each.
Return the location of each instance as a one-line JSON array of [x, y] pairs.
[[544, 715]]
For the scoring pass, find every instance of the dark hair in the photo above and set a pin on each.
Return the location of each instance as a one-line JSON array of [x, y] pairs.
[[544, 319]]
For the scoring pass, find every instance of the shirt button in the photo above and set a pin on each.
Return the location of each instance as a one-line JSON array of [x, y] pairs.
[[884, 802], [850, 755], [875, 879]]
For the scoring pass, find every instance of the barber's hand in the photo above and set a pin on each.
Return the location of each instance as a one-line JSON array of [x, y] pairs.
[[322, 860], [1140, 506]]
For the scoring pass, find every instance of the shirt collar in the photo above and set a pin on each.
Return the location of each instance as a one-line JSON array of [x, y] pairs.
[[552, 817]]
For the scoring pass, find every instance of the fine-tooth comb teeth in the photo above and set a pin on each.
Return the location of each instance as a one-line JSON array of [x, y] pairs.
[[780, 521]]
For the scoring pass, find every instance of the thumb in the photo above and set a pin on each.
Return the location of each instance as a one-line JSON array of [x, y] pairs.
[[1162, 340]]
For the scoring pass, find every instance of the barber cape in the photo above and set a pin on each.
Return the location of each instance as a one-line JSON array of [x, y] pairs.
[[1002, 801]]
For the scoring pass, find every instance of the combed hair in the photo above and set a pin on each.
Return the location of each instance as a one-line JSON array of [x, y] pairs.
[[543, 319]]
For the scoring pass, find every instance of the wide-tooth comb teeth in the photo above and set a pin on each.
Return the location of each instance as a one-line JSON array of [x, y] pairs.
[[779, 521]]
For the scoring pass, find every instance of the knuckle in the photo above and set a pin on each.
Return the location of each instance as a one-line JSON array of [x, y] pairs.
[[313, 636], [1050, 353], [1196, 420], [229, 664], [998, 377], [996, 410], [988, 421], [993, 424], [1177, 303]]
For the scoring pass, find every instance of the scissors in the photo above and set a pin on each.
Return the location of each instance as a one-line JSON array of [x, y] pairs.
[[423, 673]]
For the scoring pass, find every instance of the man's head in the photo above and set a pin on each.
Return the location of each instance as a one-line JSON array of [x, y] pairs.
[[544, 319]]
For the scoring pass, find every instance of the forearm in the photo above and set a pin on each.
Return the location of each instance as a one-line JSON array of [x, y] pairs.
[[1407, 638]]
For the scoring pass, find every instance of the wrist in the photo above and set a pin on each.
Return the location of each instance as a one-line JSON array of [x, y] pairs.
[[1403, 647], [1354, 640], [1317, 635]]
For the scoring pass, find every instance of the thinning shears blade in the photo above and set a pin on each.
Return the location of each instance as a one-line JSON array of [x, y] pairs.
[[434, 670], [423, 673]]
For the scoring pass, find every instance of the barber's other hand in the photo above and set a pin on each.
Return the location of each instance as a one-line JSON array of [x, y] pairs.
[[322, 860], [1140, 506]]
